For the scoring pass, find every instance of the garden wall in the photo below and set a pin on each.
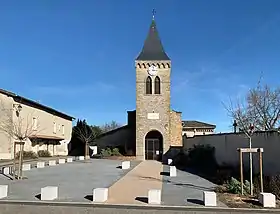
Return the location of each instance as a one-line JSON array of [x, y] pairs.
[[226, 145]]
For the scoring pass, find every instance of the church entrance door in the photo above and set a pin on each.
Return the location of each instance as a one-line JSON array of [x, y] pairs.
[[153, 146]]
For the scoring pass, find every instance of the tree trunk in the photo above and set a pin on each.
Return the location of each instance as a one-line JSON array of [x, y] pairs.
[[86, 151], [14, 163], [20, 161]]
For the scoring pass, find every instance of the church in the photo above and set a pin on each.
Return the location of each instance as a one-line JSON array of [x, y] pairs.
[[153, 128]]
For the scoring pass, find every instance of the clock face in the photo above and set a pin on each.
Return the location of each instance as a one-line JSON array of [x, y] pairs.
[[152, 70]]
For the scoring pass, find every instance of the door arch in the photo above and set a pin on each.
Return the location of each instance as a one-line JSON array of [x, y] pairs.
[[153, 145]]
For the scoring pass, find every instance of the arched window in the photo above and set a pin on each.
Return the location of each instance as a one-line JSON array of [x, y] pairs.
[[157, 85], [149, 85]]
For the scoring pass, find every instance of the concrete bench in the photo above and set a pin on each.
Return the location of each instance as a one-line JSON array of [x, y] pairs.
[[154, 196], [40, 164], [3, 191], [52, 162], [69, 160], [125, 164], [100, 195], [209, 198], [267, 199], [172, 171], [49, 193], [61, 161], [26, 167]]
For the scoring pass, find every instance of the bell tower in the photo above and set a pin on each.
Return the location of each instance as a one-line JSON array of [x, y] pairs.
[[153, 68]]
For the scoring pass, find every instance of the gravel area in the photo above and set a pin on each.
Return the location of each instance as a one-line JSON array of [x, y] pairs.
[[75, 180]]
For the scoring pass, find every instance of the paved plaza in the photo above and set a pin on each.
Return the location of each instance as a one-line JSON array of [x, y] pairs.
[[77, 180]]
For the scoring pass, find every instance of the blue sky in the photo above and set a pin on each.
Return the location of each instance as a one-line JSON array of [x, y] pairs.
[[78, 56]]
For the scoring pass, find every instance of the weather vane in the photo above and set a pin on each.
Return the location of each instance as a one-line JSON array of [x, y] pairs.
[[154, 13]]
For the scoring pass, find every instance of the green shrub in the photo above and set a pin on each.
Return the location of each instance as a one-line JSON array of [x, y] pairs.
[[106, 152], [116, 152], [27, 155], [44, 153], [234, 186], [110, 152]]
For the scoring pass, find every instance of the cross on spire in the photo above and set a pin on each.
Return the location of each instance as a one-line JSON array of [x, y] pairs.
[[154, 13]]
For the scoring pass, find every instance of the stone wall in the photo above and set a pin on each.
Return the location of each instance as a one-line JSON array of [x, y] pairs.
[[121, 137], [175, 128], [226, 146]]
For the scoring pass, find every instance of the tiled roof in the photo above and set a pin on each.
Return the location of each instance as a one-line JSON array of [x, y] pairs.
[[197, 124], [153, 49]]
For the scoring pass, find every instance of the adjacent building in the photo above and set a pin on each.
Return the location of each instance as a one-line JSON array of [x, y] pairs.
[[193, 128], [46, 128]]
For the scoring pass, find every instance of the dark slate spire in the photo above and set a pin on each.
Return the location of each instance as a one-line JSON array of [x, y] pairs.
[[152, 49]]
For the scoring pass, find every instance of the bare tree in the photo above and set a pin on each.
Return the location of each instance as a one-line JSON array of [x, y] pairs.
[[110, 126], [19, 128], [259, 111], [84, 133], [260, 108]]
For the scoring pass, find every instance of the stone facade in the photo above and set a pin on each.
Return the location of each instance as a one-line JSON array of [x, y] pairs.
[[152, 103], [176, 129]]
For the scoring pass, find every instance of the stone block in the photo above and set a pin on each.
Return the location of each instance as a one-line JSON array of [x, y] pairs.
[[267, 199], [209, 198], [6, 170], [69, 160], [52, 162], [125, 164], [40, 164], [3, 191], [49, 193], [61, 161], [154, 196], [26, 167], [81, 158], [169, 161], [172, 171], [100, 195]]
